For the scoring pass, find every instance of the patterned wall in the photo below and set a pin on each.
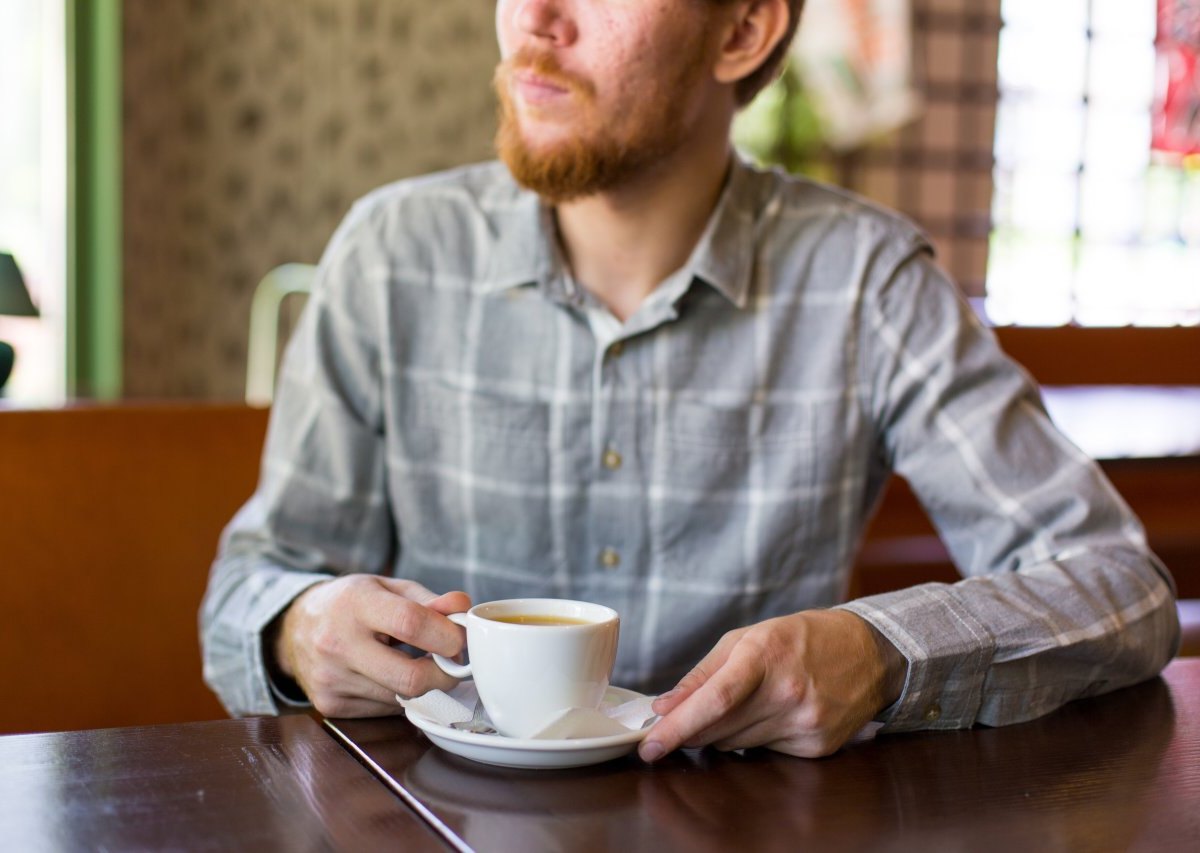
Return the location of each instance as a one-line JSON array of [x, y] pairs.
[[938, 169], [250, 127]]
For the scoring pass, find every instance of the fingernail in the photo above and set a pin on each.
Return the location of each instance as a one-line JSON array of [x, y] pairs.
[[664, 698], [651, 751]]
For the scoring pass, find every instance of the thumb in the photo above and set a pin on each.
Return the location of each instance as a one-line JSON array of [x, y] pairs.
[[455, 601]]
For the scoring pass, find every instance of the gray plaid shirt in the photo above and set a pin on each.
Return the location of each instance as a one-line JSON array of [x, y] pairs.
[[454, 409]]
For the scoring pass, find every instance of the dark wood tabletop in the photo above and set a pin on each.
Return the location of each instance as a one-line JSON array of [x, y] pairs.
[[1117, 772], [258, 784]]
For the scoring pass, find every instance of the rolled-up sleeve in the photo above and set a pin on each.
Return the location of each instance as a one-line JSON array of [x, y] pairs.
[[1062, 598]]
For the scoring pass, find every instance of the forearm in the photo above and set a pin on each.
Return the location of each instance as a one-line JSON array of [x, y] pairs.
[[246, 592], [1011, 646]]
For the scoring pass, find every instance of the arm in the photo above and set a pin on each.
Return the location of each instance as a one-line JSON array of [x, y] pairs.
[[1063, 598], [321, 512]]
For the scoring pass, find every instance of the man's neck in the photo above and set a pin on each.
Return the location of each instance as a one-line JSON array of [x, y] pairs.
[[622, 244]]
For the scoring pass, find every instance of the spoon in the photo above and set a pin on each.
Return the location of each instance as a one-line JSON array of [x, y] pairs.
[[475, 725]]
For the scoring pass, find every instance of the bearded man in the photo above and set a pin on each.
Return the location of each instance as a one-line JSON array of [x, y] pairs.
[[623, 366]]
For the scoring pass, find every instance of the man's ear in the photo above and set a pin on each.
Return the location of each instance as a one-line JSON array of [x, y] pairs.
[[750, 33]]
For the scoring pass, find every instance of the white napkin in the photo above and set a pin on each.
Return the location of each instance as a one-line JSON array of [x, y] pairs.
[[610, 719]]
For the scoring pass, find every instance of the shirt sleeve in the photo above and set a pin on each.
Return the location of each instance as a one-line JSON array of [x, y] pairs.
[[321, 506], [1062, 598]]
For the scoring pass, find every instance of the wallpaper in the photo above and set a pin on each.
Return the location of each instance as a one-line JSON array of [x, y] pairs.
[[250, 127]]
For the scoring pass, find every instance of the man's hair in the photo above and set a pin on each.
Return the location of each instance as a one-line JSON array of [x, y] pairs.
[[750, 85]]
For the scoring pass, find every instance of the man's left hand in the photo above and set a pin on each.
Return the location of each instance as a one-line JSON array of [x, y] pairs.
[[802, 684]]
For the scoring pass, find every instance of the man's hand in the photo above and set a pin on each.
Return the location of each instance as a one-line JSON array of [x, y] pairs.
[[335, 641], [801, 684]]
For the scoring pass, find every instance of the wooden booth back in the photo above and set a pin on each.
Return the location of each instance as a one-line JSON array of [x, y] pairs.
[[110, 516], [109, 520]]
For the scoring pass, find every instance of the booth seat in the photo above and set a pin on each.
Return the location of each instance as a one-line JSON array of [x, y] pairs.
[[109, 520]]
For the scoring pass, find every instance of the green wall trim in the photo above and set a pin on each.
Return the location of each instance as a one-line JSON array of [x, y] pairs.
[[94, 295]]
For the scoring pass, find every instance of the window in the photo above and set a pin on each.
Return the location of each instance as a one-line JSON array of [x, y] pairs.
[[33, 189], [1090, 227]]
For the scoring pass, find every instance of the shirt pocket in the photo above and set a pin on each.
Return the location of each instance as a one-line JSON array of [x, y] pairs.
[[473, 483], [485, 415], [740, 494]]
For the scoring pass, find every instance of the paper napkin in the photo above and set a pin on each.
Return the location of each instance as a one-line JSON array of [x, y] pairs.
[[455, 706]]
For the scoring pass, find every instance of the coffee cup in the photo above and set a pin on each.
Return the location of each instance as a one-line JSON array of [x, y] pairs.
[[533, 658]]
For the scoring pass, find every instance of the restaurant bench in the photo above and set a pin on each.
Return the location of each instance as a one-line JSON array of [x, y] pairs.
[[109, 520]]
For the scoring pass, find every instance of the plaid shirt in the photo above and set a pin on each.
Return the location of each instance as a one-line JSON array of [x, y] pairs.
[[456, 410]]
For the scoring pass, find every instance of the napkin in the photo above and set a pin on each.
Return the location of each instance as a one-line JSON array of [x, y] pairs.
[[456, 706]]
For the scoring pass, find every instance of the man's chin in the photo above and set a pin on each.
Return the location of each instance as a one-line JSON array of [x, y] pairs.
[[547, 139]]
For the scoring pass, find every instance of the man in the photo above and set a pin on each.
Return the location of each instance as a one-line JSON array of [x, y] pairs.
[[625, 367]]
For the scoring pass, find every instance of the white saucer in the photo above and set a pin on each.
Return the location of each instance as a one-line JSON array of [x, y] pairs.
[[534, 754]]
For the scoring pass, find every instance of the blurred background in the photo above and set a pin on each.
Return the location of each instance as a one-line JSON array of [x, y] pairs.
[[159, 157], [169, 166]]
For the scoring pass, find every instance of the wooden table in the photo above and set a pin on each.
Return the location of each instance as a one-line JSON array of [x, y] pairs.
[[258, 784], [1117, 772]]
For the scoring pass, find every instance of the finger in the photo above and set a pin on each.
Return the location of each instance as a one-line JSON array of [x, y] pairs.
[[394, 672], [450, 602], [360, 699], [770, 731], [411, 622], [699, 674], [407, 589], [445, 603], [336, 691], [719, 697]]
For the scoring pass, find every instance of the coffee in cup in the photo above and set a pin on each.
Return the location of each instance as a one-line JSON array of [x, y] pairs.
[[533, 658]]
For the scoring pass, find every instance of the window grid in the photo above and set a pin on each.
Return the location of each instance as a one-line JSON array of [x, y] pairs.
[[1089, 227]]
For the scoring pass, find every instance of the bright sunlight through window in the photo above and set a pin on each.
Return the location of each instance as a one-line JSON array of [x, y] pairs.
[[33, 190], [1090, 226]]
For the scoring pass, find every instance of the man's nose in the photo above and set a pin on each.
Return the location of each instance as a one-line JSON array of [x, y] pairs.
[[547, 19]]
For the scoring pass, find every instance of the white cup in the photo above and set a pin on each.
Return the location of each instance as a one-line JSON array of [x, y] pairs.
[[527, 674]]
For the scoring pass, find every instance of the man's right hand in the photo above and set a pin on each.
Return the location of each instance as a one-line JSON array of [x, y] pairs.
[[335, 640]]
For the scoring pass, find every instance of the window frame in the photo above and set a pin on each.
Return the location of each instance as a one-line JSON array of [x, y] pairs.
[[94, 208]]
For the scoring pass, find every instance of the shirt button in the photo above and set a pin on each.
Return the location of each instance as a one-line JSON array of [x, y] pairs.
[[933, 712], [612, 459], [615, 350], [609, 558]]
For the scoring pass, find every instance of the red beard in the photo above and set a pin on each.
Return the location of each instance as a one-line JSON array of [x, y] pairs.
[[594, 158]]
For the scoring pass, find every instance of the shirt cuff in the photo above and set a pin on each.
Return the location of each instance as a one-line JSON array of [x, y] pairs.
[[283, 591], [948, 652]]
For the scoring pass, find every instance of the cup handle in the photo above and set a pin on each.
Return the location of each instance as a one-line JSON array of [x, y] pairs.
[[454, 670]]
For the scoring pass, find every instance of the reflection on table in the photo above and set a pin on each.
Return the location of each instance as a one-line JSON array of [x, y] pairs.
[[1115, 772], [260, 784]]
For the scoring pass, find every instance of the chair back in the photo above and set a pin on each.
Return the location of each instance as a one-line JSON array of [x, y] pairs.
[[263, 352]]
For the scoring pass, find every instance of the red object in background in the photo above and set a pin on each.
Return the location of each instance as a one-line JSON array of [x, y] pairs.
[[1177, 104]]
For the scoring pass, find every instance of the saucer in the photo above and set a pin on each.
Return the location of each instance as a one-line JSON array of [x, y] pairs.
[[528, 753]]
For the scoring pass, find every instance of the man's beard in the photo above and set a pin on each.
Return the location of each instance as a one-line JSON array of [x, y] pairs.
[[594, 159]]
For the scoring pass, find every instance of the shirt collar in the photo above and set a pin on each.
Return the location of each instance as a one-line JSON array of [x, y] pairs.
[[525, 245], [724, 255]]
